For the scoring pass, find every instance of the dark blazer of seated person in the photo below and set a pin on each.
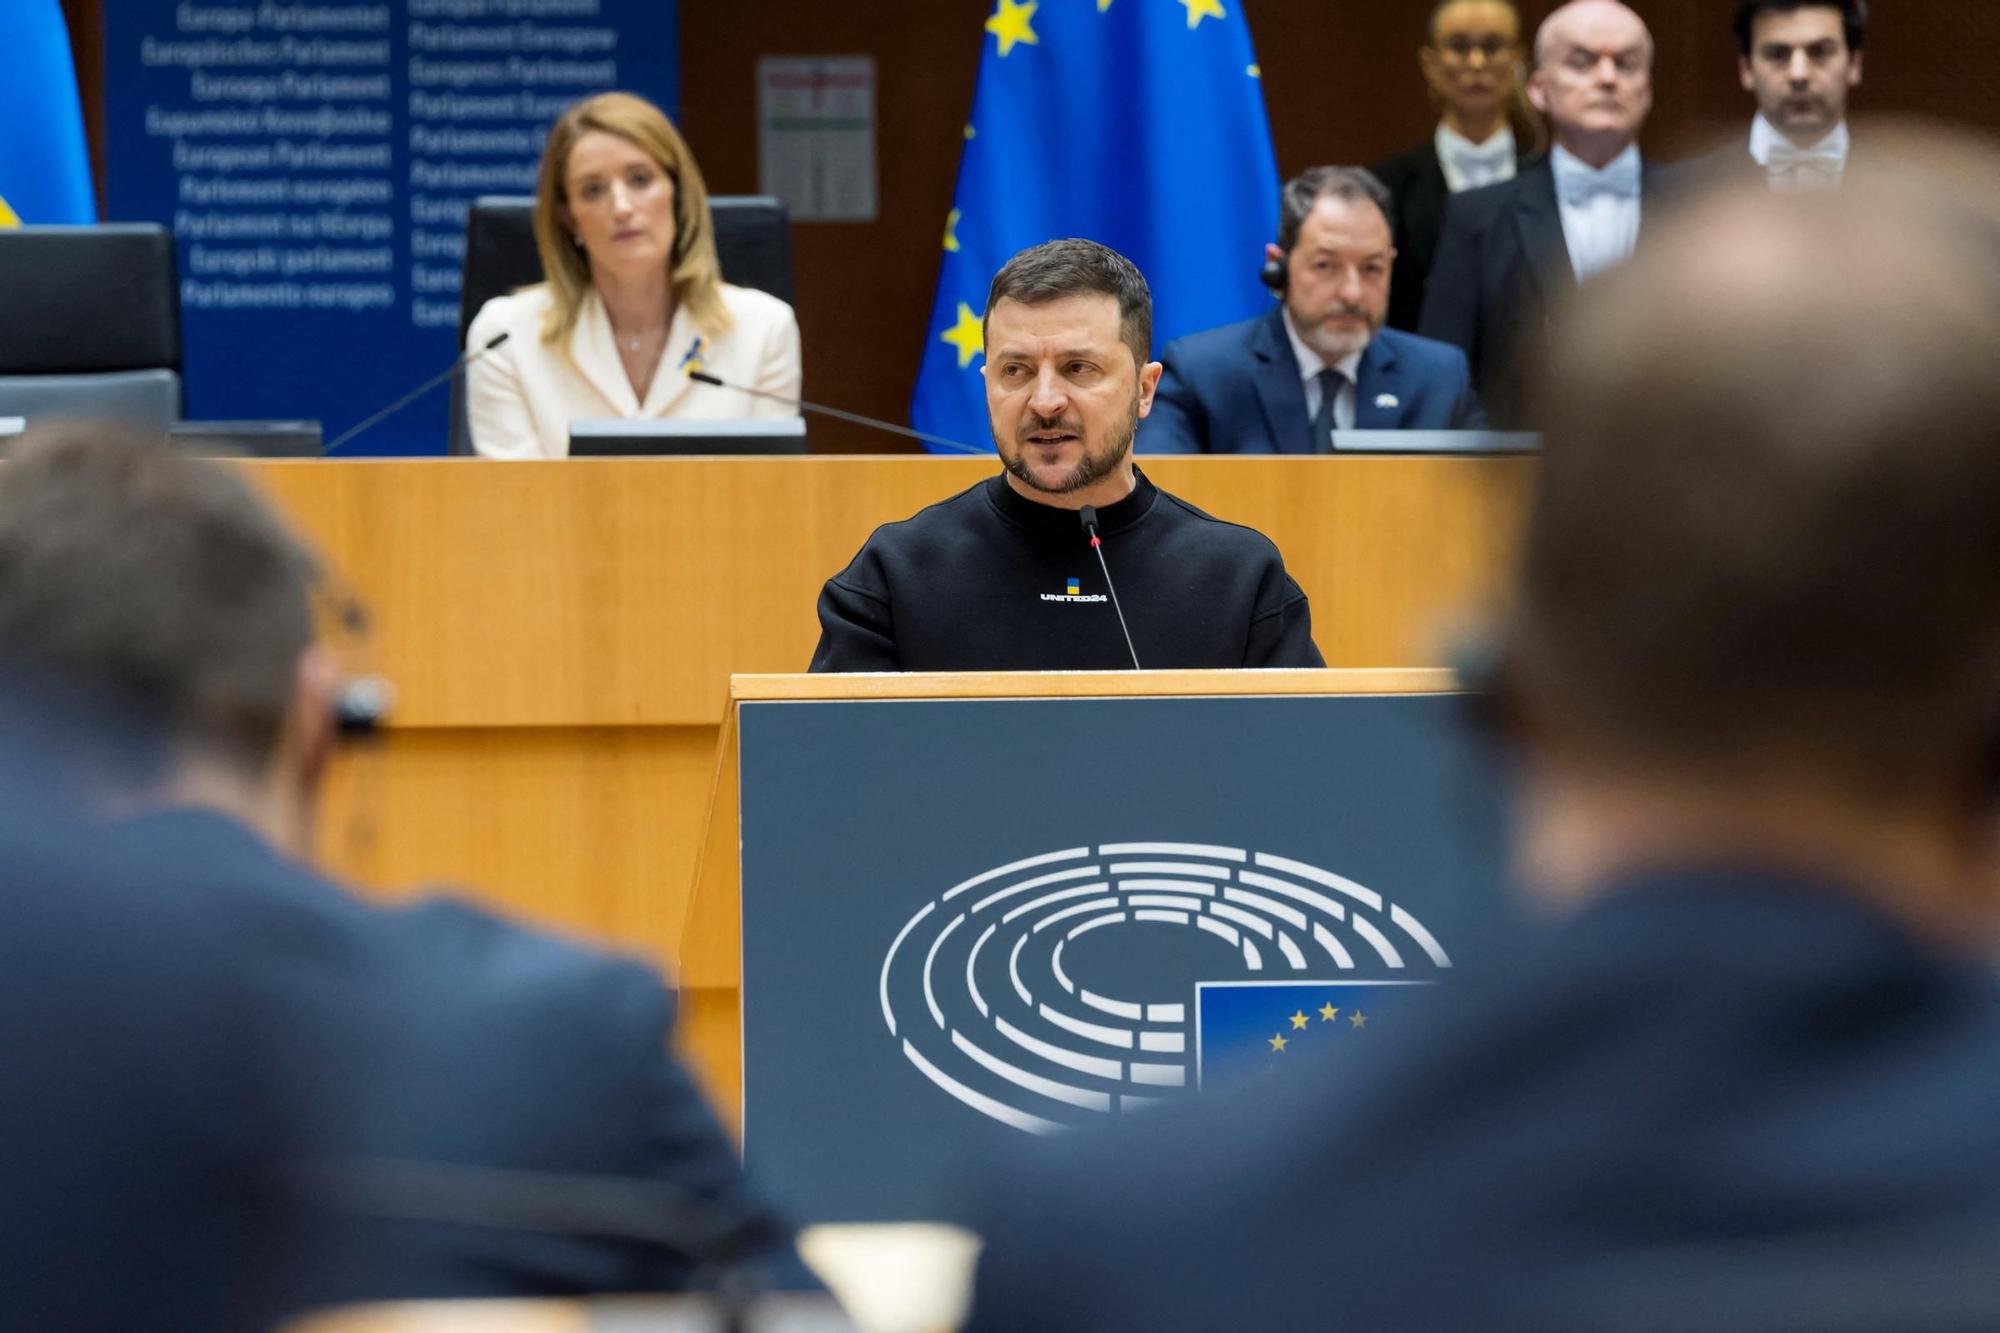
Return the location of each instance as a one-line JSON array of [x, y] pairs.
[[1238, 390], [468, 1086]]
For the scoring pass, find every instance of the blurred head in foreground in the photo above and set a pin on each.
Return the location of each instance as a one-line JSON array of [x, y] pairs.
[[166, 585], [1752, 669], [1759, 606]]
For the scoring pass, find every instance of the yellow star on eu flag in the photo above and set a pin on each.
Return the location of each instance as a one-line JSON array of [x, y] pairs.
[[8, 217], [1011, 23], [1299, 1019], [1103, 5], [1358, 1018], [968, 335], [1278, 1042], [1327, 1013], [951, 231], [1197, 11]]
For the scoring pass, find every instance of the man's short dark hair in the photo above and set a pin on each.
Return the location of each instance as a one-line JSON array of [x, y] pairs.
[[162, 580], [1054, 270], [1303, 191], [1853, 18], [1766, 527]]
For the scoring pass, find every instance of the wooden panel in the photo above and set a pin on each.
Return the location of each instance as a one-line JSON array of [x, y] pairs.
[[1076, 684], [588, 830], [625, 592]]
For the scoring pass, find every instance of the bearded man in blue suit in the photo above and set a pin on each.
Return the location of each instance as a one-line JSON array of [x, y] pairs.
[[1319, 361]]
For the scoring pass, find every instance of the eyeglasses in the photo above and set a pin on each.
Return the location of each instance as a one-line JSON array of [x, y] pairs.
[[1460, 47]]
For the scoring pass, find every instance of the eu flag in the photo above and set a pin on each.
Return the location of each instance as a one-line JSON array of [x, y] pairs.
[[1265, 1027], [1135, 123], [44, 167]]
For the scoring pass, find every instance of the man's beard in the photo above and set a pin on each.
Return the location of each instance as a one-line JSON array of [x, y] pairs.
[[1333, 347], [1090, 468]]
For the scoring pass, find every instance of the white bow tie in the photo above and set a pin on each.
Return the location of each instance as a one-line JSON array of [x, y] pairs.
[[1482, 157], [1792, 165], [1620, 180]]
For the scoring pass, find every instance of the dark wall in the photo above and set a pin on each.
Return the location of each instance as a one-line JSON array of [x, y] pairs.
[[1340, 79]]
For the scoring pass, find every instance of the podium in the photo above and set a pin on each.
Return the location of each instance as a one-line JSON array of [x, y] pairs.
[[934, 913], [562, 634]]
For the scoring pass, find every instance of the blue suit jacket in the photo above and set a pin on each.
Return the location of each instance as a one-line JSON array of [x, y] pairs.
[[1744, 1076], [437, 1036], [1236, 390]]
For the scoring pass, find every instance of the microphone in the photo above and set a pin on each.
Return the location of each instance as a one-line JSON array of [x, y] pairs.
[[470, 355], [703, 377], [1089, 516]]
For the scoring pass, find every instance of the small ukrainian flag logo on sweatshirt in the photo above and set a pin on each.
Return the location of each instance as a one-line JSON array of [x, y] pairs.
[[1075, 587]]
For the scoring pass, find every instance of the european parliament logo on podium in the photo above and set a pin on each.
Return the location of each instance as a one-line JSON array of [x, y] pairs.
[[1093, 980]]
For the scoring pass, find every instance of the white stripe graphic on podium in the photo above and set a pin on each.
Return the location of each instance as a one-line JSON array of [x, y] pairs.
[[1058, 986]]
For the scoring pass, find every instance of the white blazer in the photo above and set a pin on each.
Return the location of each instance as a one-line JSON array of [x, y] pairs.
[[521, 396]]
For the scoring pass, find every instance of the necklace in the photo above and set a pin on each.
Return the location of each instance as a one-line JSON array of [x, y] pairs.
[[633, 342]]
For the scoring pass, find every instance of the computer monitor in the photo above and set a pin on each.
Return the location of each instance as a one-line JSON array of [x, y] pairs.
[[1436, 442], [247, 439], [679, 436], [222, 439]]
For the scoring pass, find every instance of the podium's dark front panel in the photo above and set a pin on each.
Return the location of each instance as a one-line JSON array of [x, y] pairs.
[[964, 921]]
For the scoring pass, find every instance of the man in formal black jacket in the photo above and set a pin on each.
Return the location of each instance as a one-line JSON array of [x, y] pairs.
[[1799, 59], [473, 1109], [1748, 1077], [1471, 60], [1512, 251]]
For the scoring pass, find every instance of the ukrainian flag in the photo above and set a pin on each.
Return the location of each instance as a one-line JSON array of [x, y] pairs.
[[1136, 123], [44, 164]]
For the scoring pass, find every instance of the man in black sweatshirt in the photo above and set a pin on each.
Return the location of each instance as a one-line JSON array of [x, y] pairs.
[[1001, 577]]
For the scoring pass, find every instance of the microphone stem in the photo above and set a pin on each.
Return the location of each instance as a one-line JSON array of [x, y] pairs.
[[1098, 546], [859, 420], [407, 398], [703, 377]]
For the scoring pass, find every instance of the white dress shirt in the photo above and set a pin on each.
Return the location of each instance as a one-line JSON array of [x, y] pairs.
[[521, 396], [1310, 366], [1600, 209], [1468, 165], [1790, 167]]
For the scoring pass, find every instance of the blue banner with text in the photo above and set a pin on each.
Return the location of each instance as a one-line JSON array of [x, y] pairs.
[[316, 158]]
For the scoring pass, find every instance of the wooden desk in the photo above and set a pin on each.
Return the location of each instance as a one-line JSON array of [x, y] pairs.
[[562, 635]]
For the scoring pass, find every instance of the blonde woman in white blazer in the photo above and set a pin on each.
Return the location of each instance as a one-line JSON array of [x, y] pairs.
[[633, 296]]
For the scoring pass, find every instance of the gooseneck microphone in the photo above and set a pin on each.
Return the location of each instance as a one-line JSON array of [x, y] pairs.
[[470, 355], [1089, 516], [703, 377]]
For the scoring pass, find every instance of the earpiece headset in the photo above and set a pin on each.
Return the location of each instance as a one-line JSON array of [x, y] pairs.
[[361, 706]]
